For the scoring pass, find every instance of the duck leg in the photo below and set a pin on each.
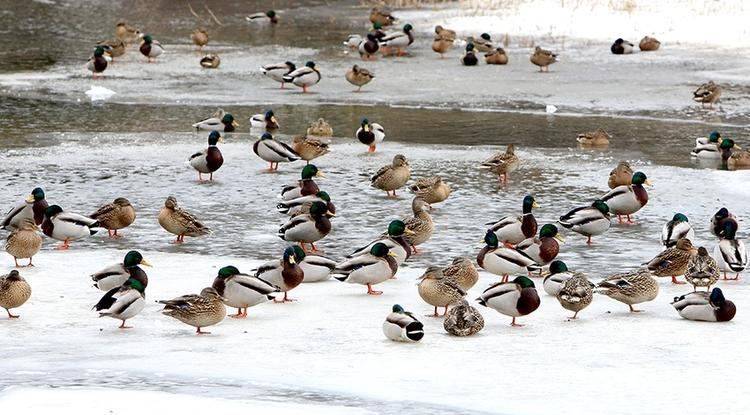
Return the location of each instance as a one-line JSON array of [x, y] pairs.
[[633, 310], [434, 314], [10, 315], [370, 291], [630, 221], [198, 331], [238, 315], [123, 326], [285, 299], [674, 280], [18, 266], [304, 89], [514, 324], [415, 250], [371, 149], [589, 242], [65, 245], [505, 278]]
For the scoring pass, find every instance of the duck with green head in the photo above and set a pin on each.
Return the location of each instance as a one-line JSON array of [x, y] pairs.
[[512, 230], [304, 77], [514, 299], [544, 248], [124, 302], [115, 275], [377, 266], [306, 186], [704, 306], [316, 268], [242, 291], [67, 226], [221, 121], [285, 273], [274, 151], [33, 207], [402, 326], [677, 228], [503, 261], [308, 228], [208, 160], [706, 147], [587, 220], [302, 204], [394, 239], [97, 64], [271, 15], [399, 40], [558, 274], [627, 200], [151, 48], [483, 43]]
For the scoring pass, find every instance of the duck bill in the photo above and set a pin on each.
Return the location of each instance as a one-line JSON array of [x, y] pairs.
[[391, 254], [273, 120], [330, 214], [560, 238], [145, 263], [366, 127], [737, 147], [292, 260], [235, 124], [221, 139], [320, 174], [648, 182], [535, 205], [30, 198]]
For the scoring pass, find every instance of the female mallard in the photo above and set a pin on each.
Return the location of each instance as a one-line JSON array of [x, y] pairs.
[[320, 128], [598, 138], [151, 48], [700, 306], [382, 16], [305, 76], [630, 288], [730, 252], [393, 177], [576, 294], [284, 273], [496, 56], [271, 15], [431, 189], [503, 261], [439, 290], [399, 40], [739, 160], [199, 37], [24, 242], [545, 248], [515, 299], [402, 326], [115, 275], [558, 274], [308, 228], [316, 268], [273, 151], [126, 32], [707, 93], [377, 266], [66, 227], [370, 134], [277, 71], [720, 218], [32, 207], [14, 292], [463, 320], [394, 240], [198, 311], [513, 230], [359, 77], [463, 271], [622, 47], [304, 187], [97, 64], [673, 261], [649, 44], [443, 40], [310, 147], [702, 270], [483, 43], [265, 121], [469, 57], [626, 200], [242, 291], [587, 220], [503, 164], [420, 224], [179, 222], [115, 216], [221, 121], [208, 160], [124, 302], [210, 61], [622, 175], [676, 229], [543, 58], [303, 204], [368, 47]]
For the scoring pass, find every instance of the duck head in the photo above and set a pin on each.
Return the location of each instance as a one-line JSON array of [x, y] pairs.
[[714, 136], [228, 119], [214, 138], [524, 282], [601, 207], [550, 231], [557, 267], [728, 230], [490, 239], [400, 161], [679, 217], [398, 228], [310, 171], [36, 195], [639, 179], [52, 211], [170, 203], [134, 258], [528, 203], [380, 250]]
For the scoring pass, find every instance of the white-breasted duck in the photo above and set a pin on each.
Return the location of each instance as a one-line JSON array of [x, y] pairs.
[[628, 199], [115, 275], [66, 226], [242, 291], [377, 266], [514, 299], [503, 261], [208, 160], [678, 227], [308, 228], [306, 186], [587, 220], [370, 134], [32, 207], [513, 229], [274, 151]]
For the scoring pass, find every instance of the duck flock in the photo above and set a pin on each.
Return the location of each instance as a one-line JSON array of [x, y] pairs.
[[520, 252]]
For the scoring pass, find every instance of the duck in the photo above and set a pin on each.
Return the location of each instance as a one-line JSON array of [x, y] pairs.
[[629, 288], [431, 189], [702, 270], [402, 326], [284, 273], [463, 271], [210, 61], [575, 294], [199, 311], [503, 260], [673, 261], [649, 44], [445, 33], [597, 138], [621, 175], [394, 239], [558, 274], [392, 177], [514, 299], [503, 164], [274, 151], [119, 214], [588, 221], [730, 253], [308, 228], [66, 226], [97, 64], [304, 77], [265, 121], [151, 48], [178, 221], [483, 43], [496, 56], [622, 47], [316, 268], [271, 15], [700, 306], [277, 71], [221, 121], [438, 290], [543, 58], [302, 204], [123, 302], [707, 147], [712, 139], [242, 291], [463, 320], [320, 128], [304, 187], [420, 224], [727, 147], [512, 230], [353, 40], [209, 160], [309, 147], [126, 32], [370, 134], [720, 218], [32, 207], [382, 16], [368, 47], [708, 93], [443, 40], [739, 160], [469, 57], [14, 292], [722, 150], [377, 266], [627, 200], [24, 242], [544, 248], [399, 40], [199, 37], [359, 77], [115, 275], [677, 228]]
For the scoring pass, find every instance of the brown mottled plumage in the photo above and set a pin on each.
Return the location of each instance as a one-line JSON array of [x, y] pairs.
[[673, 261], [116, 215], [199, 37], [707, 93], [463, 271], [198, 311], [392, 177], [622, 175], [648, 44], [420, 224], [309, 147], [14, 291], [177, 221], [496, 56], [543, 59], [702, 270], [576, 294], [431, 189], [24, 242], [739, 160], [439, 290], [598, 138], [463, 320], [503, 163], [359, 77], [630, 288], [320, 128]]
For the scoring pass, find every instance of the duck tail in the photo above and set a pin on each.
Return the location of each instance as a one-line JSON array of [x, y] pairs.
[[481, 301], [341, 278], [415, 331]]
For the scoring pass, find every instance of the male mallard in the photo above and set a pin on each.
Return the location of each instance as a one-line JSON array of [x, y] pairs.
[[221, 121], [310, 147], [271, 15], [702, 270], [32, 207], [515, 299], [502, 260], [622, 47], [394, 240], [558, 274], [463, 320], [676, 229], [382, 16], [284, 273], [320, 128], [399, 40], [370, 134], [673, 261], [359, 77], [726, 148], [720, 218], [302, 204], [115, 216], [124, 302], [630, 288], [210, 61], [543, 58], [24, 242], [739, 160], [392, 177], [316, 268], [126, 32], [198, 311], [199, 37], [443, 40], [420, 224], [277, 71], [503, 164], [544, 248], [496, 56], [513, 230], [66, 227], [648, 44], [402, 326], [700, 306], [598, 138], [151, 48], [241, 291], [707, 93], [587, 220], [304, 187], [439, 290], [722, 149], [97, 64], [368, 47], [576, 294], [208, 160], [469, 58], [265, 121], [730, 252], [377, 266], [626, 200], [308, 228], [622, 175], [305, 76], [14, 291], [431, 189], [463, 271], [273, 151], [179, 222], [709, 142], [483, 43], [115, 275]]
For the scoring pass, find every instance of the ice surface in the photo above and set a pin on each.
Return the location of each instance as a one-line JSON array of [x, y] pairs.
[[98, 93]]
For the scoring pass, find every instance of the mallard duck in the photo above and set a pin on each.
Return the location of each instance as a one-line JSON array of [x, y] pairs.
[[14, 292], [284, 273], [515, 299], [622, 47], [115, 216], [513, 230], [66, 227], [304, 187], [308, 228], [32, 207], [544, 248], [443, 40], [503, 164], [558, 274], [242, 291], [707, 148], [382, 16], [445, 33], [648, 44], [274, 152], [739, 160], [302, 204], [720, 218], [707, 93], [598, 138], [210, 61], [713, 139], [469, 57], [224, 123], [24, 242], [463, 320], [626, 200], [483, 43], [431, 189], [702, 270], [402, 326], [115, 275], [700, 306], [320, 128], [496, 56], [543, 58], [420, 224], [124, 302], [726, 148], [673, 261], [630, 288], [377, 266], [277, 71], [198, 311], [97, 64], [199, 37], [316, 268], [676, 229], [271, 15], [359, 77], [305, 76], [394, 240], [179, 222], [722, 150], [393, 177], [370, 134], [368, 47], [503, 260], [126, 32], [265, 121], [587, 220], [310, 147], [730, 252], [439, 290], [209, 160], [575, 294], [622, 175], [352, 41], [151, 48], [463, 271], [399, 40]]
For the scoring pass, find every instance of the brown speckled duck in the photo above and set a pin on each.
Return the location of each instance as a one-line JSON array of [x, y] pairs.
[[496, 56], [463, 271], [431, 189], [199, 311], [598, 138], [310, 147], [630, 288], [649, 44], [115, 216], [24, 242], [576, 294], [443, 40], [420, 225], [199, 37], [179, 222], [739, 160], [673, 261], [14, 291], [439, 290], [463, 320], [392, 177], [320, 128], [503, 163], [622, 175], [359, 77], [702, 270], [543, 58], [708, 93]]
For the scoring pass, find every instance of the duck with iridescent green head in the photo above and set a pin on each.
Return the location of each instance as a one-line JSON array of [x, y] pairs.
[[512, 230], [677, 228], [544, 248], [587, 220], [124, 302], [514, 299], [97, 64], [306, 186], [151, 48], [627, 200], [242, 291]]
